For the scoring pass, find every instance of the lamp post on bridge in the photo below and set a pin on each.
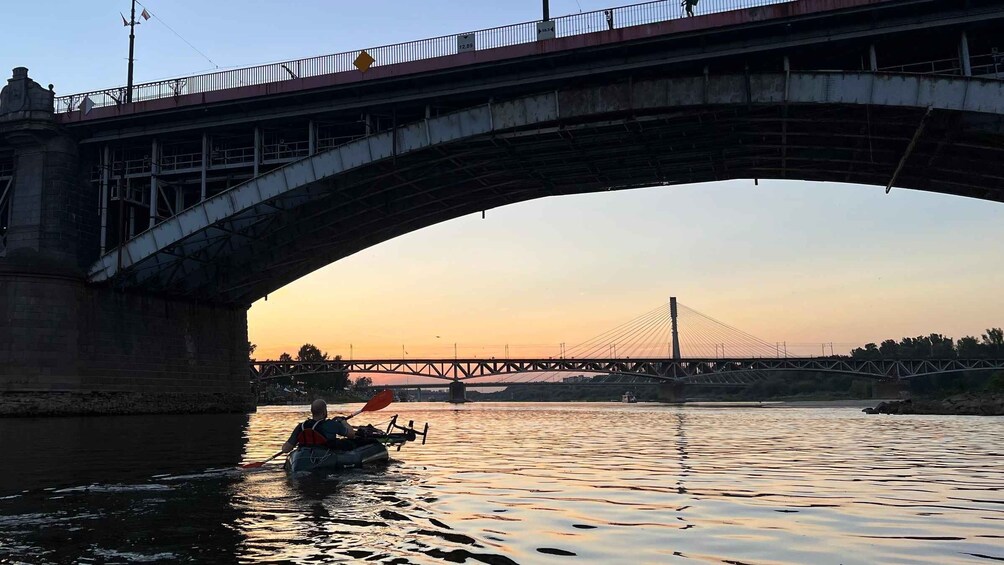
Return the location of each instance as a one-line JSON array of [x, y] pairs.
[[455, 356], [132, 43]]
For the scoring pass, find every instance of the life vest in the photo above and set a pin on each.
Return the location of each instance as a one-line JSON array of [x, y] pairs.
[[310, 436]]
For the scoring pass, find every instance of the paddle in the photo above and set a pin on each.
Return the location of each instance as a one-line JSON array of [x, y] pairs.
[[379, 401], [257, 464]]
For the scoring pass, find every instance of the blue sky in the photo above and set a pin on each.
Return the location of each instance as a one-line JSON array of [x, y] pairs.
[[795, 261]]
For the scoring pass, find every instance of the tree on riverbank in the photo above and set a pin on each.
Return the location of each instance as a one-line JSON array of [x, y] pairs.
[[331, 381], [936, 346], [996, 382]]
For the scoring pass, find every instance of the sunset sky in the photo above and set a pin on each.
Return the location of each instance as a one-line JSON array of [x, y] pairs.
[[800, 262]]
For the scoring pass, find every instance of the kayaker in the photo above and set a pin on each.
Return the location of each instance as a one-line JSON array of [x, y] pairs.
[[319, 430]]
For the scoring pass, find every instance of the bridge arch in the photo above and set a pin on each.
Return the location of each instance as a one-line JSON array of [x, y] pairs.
[[930, 133]]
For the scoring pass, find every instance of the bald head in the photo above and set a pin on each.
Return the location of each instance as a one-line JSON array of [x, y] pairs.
[[318, 409]]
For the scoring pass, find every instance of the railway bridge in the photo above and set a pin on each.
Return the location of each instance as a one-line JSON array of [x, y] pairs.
[[671, 375]]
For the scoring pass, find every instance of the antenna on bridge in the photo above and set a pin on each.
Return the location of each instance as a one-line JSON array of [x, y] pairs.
[[132, 43]]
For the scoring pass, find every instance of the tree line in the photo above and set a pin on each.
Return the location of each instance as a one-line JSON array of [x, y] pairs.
[[332, 381], [936, 346]]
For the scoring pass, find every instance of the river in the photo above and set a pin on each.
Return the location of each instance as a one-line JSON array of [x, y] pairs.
[[504, 483]]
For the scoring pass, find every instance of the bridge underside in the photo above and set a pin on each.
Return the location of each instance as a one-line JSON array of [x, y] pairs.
[[941, 135]]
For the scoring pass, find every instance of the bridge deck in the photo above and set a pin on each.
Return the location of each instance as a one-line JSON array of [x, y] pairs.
[[634, 23]]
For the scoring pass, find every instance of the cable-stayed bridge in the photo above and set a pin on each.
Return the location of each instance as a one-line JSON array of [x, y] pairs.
[[670, 345]]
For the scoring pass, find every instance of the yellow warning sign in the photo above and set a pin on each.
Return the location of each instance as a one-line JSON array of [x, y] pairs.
[[364, 61]]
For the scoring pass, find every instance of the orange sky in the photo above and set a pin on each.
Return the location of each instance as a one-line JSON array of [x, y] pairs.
[[786, 261]]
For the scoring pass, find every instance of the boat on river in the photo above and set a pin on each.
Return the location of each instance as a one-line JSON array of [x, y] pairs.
[[372, 447], [629, 397]]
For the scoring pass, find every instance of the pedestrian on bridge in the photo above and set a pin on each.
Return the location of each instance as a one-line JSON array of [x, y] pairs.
[[689, 5]]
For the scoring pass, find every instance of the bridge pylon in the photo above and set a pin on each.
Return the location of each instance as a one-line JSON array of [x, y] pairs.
[[458, 392], [676, 329], [671, 391]]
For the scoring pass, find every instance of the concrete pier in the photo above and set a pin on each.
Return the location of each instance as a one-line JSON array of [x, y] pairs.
[[671, 392], [69, 347], [458, 392]]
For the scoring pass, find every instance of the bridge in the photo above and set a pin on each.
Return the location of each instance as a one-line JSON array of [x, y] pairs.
[[661, 328], [138, 225]]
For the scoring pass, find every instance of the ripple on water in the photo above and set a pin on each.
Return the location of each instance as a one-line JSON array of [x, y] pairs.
[[587, 483]]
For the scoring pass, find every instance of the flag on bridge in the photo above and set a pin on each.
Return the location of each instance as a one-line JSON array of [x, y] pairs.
[[145, 14], [124, 21]]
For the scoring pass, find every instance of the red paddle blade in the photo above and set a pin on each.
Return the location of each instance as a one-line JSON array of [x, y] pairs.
[[252, 465], [380, 401]]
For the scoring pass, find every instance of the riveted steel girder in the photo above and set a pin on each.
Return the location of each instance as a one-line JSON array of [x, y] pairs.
[[241, 244]]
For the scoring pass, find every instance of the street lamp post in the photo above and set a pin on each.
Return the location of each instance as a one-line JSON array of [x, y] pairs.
[[132, 42]]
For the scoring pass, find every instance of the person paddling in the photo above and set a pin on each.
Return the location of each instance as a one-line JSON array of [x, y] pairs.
[[318, 430], [319, 413]]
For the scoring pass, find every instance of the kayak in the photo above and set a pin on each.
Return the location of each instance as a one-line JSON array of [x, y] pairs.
[[309, 459], [306, 458]]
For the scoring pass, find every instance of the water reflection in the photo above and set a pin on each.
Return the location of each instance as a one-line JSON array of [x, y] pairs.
[[514, 483], [101, 489]]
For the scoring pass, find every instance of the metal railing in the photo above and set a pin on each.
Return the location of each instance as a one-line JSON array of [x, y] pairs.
[[948, 66], [515, 34], [981, 65]]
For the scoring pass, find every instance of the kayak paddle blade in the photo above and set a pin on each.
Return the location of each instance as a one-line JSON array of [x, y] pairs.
[[257, 464], [380, 401]]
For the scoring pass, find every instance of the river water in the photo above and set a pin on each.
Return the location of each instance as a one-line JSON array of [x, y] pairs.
[[504, 483]]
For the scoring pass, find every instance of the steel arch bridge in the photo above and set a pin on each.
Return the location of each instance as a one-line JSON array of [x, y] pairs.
[[688, 371], [856, 127]]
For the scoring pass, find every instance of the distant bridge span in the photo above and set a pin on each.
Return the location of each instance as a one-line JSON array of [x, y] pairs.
[[276, 228], [687, 371]]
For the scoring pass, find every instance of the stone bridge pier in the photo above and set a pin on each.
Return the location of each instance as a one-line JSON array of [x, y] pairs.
[[69, 347]]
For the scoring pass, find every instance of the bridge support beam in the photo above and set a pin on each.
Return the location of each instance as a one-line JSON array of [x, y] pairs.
[[671, 392], [458, 392]]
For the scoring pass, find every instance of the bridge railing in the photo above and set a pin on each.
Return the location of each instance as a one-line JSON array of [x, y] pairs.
[[515, 34]]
